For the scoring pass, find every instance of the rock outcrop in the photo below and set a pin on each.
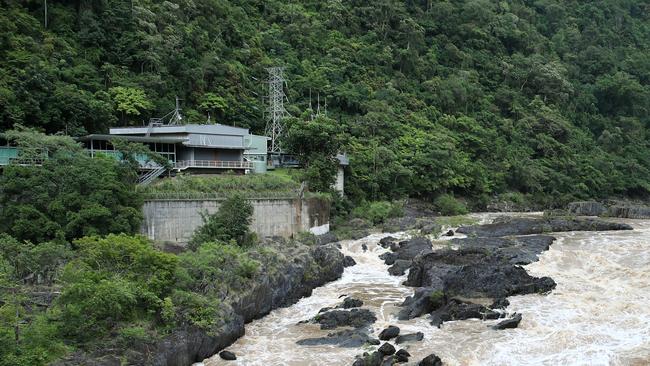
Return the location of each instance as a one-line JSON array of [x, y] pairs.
[[528, 226], [294, 278]]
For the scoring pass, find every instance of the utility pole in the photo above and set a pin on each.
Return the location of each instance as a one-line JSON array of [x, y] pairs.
[[276, 112]]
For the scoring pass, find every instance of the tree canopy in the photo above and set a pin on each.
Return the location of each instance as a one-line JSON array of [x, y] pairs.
[[472, 97]]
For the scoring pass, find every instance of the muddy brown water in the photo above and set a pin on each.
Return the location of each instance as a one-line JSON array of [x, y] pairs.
[[599, 314]]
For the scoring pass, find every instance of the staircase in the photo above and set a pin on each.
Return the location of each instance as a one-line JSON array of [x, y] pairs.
[[149, 176]]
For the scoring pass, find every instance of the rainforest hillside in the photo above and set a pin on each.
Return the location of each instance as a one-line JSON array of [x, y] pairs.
[[475, 98]]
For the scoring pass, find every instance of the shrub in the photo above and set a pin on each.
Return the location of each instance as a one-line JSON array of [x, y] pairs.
[[231, 222], [379, 211], [449, 206]]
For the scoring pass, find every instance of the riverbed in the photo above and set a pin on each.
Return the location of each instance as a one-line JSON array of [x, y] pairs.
[[597, 315]]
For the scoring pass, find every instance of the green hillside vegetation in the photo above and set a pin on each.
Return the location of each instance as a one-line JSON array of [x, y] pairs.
[[474, 98]]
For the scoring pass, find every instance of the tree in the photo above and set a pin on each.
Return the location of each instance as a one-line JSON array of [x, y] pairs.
[[315, 145], [230, 223], [114, 278], [130, 101], [70, 195]]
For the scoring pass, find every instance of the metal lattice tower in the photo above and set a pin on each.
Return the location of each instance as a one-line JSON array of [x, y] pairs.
[[276, 111]]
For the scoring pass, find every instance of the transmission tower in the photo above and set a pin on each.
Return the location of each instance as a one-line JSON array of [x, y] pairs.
[[276, 111]]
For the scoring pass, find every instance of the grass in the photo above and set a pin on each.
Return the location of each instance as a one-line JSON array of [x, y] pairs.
[[216, 186], [456, 221]]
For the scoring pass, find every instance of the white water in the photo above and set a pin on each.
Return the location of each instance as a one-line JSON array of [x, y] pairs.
[[599, 314]]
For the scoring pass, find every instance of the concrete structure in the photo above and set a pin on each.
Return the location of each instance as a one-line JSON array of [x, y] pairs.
[[176, 220], [339, 185], [256, 153]]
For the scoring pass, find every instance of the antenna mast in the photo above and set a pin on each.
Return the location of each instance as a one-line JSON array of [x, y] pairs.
[[276, 111]]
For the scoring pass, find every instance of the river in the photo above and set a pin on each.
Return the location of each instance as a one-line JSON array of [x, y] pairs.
[[599, 314]]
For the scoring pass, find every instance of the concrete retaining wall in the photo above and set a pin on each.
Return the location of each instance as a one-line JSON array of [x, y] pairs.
[[175, 220]]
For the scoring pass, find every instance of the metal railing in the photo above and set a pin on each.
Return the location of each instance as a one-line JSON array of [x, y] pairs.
[[219, 164]]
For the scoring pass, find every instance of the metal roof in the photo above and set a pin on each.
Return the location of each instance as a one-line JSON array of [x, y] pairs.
[[214, 129], [168, 140]]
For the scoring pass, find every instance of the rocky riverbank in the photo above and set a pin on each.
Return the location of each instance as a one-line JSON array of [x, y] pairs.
[[610, 208], [283, 279], [474, 279]]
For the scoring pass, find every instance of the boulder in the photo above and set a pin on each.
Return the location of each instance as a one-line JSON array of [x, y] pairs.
[[386, 349], [431, 360], [500, 303], [449, 233], [461, 310], [349, 338], [388, 258], [402, 356], [356, 318], [364, 247], [351, 302], [348, 261], [629, 211], [508, 323], [326, 238], [385, 242], [399, 267], [411, 337], [389, 333], [227, 355]]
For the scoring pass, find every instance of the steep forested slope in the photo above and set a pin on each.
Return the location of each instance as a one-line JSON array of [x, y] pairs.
[[474, 97]]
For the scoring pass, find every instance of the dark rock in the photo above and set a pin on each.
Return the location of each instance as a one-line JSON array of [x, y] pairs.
[[386, 349], [386, 241], [388, 258], [357, 318], [322, 310], [358, 234], [364, 247], [528, 226], [408, 249], [517, 250], [373, 359], [428, 227], [474, 272], [389, 333], [399, 224], [629, 211], [508, 323], [460, 310], [431, 360], [416, 305], [374, 341], [587, 208], [227, 355], [399, 267], [388, 361], [402, 356], [411, 337], [449, 233], [349, 338], [394, 246], [326, 238], [351, 302], [348, 261], [500, 303]]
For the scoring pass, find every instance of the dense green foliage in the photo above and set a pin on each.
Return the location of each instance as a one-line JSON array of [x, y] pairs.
[[69, 196], [379, 211], [230, 223], [473, 97], [113, 279], [315, 145]]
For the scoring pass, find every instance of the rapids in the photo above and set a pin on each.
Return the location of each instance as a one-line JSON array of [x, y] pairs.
[[597, 315]]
